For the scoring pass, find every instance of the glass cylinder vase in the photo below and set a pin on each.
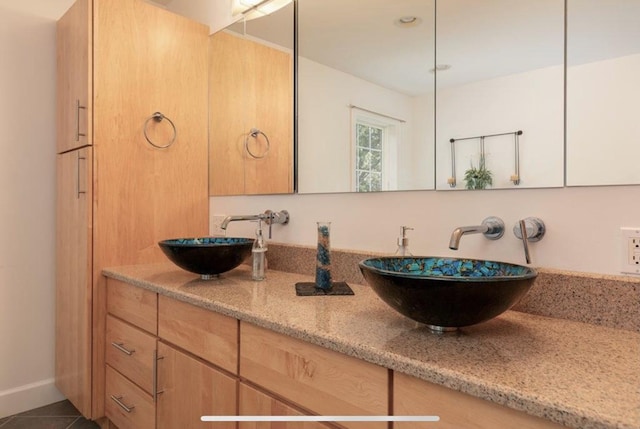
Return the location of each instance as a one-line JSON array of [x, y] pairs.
[[323, 256]]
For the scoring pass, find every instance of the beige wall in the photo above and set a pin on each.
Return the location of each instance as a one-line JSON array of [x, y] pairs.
[[27, 226]]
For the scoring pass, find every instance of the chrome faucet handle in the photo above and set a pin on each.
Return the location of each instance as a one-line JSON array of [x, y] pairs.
[[495, 227], [528, 230], [270, 217]]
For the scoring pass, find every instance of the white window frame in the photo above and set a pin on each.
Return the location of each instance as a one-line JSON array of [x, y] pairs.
[[392, 132]]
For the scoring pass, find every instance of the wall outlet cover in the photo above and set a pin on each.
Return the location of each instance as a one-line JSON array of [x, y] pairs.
[[630, 250]]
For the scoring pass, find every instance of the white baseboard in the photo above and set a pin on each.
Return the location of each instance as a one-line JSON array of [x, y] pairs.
[[28, 397]]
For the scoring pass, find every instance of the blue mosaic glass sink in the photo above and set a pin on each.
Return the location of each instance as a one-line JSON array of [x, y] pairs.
[[207, 256], [447, 293]]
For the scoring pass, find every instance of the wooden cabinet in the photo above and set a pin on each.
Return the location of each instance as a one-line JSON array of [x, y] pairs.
[[320, 380], [73, 276], [256, 403], [415, 397], [251, 86], [124, 60], [190, 389], [128, 406]]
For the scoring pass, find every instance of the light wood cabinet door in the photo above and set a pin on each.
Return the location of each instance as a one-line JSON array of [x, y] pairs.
[[73, 277], [74, 57], [256, 403], [317, 379], [415, 397], [206, 334], [251, 88], [135, 305], [192, 389]]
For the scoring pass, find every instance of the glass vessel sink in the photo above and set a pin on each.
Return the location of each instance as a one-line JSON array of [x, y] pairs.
[[447, 293], [207, 256]]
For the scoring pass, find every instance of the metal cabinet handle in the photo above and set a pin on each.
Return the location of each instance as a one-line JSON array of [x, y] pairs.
[[78, 177], [118, 400], [78, 108], [154, 387], [120, 346]]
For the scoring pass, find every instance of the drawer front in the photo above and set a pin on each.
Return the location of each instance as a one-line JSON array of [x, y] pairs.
[[131, 352], [206, 334], [415, 397], [135, 305], [126, 405], [320, 380]]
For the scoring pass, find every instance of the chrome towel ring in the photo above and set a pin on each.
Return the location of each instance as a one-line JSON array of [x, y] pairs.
[[158, 117], [254, 134]]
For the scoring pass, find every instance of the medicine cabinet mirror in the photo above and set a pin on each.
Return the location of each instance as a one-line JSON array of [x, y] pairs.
[[603, 89], [251, 149]]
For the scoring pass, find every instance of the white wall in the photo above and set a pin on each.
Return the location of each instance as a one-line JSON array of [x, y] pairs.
[[582, 223], [27, 210], [324, 122], [532, 102]]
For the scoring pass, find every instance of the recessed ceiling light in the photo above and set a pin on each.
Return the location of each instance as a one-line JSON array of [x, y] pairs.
[[408, 21]]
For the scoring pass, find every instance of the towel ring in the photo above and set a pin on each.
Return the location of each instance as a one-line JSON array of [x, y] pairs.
[[254, 133], [158, 117]]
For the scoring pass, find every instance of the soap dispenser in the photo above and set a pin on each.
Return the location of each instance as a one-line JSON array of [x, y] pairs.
[[403, 242], [258, 251]]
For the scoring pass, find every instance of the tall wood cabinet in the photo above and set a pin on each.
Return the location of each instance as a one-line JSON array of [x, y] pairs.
[[119, 62]]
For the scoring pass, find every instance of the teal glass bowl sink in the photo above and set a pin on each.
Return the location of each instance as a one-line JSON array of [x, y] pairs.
[[207, 256], [447, 293]]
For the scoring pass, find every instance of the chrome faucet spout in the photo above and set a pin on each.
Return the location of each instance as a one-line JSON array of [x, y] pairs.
[[492, 228], [229, 219], [457, 234]]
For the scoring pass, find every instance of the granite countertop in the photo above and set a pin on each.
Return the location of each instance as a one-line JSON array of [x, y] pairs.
[[576, 374]]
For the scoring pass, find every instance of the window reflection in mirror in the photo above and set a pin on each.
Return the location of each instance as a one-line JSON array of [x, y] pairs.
[[500, 71], [603, 89], [365, 95], [251, 106]]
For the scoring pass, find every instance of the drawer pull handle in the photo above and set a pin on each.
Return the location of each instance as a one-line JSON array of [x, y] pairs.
[[118, 400], [78, 108], [154, 386], [120, 346]]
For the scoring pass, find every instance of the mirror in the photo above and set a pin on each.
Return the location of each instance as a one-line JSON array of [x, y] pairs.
[[499, 94], [603, 89], [251, 106], [365, 95]]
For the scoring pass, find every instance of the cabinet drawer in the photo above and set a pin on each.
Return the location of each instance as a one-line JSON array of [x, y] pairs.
[[131, 351], [320, 380], [206, 334], [415, 397], [135, 305], [121, 393]]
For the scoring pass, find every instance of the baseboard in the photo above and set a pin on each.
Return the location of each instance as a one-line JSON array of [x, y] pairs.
[[28, 397]]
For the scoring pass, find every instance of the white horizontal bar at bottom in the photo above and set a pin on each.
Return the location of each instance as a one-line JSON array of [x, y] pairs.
[[320, 418]]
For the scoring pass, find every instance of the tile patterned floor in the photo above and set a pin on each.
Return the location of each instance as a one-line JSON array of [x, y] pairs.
[[59, 415]]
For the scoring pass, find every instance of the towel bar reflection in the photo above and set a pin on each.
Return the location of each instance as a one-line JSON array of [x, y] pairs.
[[515, 178]]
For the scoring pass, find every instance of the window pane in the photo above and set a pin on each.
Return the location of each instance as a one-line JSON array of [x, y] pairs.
[[364, 159], [376, 181], [375, 161], [376, 138], [363, 135], [363, 181]]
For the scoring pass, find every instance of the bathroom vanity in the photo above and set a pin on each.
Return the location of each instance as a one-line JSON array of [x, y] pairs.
[[207, 344]]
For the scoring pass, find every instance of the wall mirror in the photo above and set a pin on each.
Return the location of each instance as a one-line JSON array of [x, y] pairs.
[[499, 94], [603, 89], [365, 95], [251, 106]]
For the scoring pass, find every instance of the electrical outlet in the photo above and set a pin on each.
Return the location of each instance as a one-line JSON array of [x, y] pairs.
[[630, 258], [216, 221]]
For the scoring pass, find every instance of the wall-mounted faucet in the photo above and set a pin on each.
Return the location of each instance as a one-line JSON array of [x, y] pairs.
[[492, 228], [529, 230], [269, 217]]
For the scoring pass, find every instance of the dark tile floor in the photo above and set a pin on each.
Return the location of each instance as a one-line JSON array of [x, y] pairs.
[[59, 415]]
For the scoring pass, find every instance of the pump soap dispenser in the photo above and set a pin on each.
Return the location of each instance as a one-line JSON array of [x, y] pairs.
[[403, 242], [258, 251]]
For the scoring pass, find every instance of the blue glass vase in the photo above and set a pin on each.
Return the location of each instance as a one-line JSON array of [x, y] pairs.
[[323, 257]]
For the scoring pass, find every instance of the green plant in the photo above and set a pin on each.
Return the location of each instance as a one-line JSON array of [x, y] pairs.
[[478, 178]]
